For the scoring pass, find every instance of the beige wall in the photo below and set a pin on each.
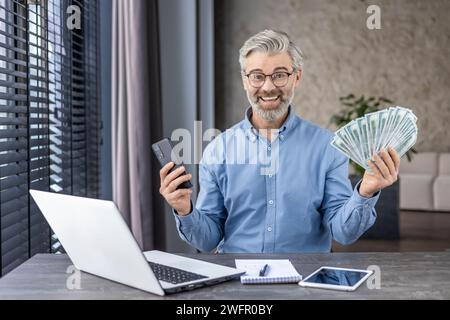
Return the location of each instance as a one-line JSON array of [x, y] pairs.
[[406, 61]]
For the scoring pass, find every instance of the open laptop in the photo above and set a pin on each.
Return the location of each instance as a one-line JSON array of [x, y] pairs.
[[98, 241]]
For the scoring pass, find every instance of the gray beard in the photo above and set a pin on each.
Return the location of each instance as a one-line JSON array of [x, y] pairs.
[[271, 115]]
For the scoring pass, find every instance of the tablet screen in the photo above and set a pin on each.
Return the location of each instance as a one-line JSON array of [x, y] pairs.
[[336, 277]]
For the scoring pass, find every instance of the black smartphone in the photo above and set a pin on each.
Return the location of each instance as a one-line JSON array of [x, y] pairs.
[[163, 151]]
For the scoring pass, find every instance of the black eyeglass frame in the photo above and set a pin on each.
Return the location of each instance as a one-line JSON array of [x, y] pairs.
[[269, 75]]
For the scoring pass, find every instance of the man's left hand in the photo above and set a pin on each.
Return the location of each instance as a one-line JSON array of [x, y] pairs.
[[385, 166]]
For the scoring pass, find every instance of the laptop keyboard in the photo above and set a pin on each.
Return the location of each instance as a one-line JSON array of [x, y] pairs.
[[173, 275]]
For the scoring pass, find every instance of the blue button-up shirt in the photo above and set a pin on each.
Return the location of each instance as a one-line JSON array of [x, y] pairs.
[[291, 194]]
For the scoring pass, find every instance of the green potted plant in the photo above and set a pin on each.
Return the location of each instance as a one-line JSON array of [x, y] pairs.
[[388, 207]]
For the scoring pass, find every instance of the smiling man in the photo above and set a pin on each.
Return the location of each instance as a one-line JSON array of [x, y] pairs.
[[302, 205]]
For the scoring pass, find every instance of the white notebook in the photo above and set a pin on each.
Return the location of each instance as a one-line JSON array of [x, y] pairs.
[[278, 271]]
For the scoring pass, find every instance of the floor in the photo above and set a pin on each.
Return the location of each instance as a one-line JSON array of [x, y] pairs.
[[419, 231]]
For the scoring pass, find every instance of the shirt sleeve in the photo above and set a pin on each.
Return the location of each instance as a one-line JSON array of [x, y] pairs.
[[203, 228], [346, 212]]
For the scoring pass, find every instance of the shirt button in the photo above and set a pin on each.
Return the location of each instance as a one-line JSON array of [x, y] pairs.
[[269, 229], [281, 137], [270, 176], [271, 202], [269, 148], [366, 206]]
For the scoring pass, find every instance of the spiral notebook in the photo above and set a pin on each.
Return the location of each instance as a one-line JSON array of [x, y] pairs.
[[278, 271]]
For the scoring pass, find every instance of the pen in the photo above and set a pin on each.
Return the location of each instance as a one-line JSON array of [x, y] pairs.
[[263, 270]]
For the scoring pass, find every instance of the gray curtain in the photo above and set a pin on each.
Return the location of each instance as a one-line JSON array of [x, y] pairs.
[[136, 119]]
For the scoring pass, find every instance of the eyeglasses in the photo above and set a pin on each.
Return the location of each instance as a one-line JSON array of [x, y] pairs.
[[279, 78]]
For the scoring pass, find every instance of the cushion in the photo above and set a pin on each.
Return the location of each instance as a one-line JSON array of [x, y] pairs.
[[441, 190], [444, 164], [422, 163], [416, 191]]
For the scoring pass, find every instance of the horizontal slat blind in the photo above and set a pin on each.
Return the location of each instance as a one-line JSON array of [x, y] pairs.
[[14, 164], [49, 117], [38, 57], [93, 120], [60, 104], [60, 67], [79, 108]]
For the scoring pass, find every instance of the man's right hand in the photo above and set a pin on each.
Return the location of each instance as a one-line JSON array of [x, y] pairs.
[[180, 199]]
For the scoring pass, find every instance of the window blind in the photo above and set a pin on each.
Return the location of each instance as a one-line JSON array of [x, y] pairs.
[[49, 117]]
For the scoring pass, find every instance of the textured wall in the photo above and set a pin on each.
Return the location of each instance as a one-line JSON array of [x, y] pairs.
[[406, 61]]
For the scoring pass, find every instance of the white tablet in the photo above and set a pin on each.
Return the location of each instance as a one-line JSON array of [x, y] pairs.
[[336, 278]]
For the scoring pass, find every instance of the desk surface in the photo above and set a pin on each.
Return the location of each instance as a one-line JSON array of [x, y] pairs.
[[412, 275]]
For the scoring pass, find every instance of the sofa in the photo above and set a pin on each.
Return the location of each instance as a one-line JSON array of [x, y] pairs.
[[425, 182]]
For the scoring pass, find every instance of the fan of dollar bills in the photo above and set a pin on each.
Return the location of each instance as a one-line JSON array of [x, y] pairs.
[[361, 138]]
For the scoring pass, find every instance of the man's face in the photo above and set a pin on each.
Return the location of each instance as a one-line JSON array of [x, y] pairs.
[[270, 102]]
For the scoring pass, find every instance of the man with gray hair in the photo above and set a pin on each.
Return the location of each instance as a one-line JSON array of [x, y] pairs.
[[302, 205]]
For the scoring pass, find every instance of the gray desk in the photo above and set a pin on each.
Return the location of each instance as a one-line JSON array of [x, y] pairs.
[[403, 276]]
